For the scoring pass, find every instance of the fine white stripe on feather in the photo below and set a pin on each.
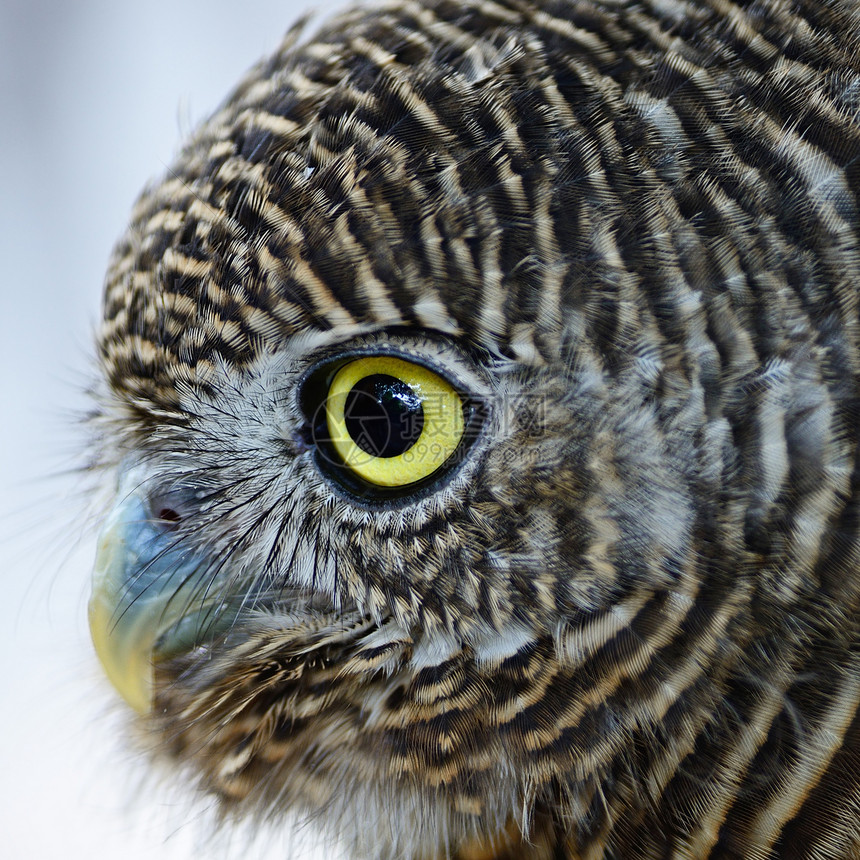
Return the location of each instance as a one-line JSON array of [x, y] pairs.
[[575, 646], [434, 650], [492, 649]]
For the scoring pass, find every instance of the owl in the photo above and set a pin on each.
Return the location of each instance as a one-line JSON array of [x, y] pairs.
[[480, 396]]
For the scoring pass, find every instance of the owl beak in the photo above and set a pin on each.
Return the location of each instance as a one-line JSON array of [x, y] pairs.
[[150, 599]]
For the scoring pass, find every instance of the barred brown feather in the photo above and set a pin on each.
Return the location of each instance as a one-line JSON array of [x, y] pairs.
[[627, 625]]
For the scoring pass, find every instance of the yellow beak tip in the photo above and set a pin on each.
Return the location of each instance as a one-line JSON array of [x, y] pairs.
[[126, 664]]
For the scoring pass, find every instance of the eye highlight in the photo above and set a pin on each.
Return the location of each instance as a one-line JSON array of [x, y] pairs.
[[392, 422]]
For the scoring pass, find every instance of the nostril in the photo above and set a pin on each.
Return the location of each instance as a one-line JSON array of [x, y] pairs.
[[169, 507], [169, 516]]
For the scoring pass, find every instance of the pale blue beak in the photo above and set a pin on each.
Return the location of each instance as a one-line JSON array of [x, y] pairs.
[[152, 599]]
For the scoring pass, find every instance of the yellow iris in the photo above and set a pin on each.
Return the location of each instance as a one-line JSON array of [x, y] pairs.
[[392, 422]]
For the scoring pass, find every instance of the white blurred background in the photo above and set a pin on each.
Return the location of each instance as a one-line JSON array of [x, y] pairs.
[[94, 98]]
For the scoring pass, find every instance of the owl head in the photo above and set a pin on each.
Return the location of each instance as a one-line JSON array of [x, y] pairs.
[[477, 392]]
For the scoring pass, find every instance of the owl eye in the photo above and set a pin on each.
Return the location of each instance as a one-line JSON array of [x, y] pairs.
[[391, 422]]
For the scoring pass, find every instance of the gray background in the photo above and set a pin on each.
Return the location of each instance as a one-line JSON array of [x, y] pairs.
[[94, 97]]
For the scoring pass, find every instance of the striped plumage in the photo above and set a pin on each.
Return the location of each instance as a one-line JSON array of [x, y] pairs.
[[626, 624]]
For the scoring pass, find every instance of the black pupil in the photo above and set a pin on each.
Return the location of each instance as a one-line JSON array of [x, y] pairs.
[[383, 415]]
